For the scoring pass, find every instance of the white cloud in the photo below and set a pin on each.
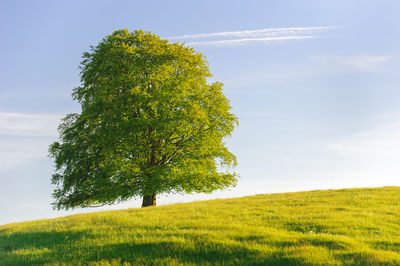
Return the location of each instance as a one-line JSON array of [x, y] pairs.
[[18, 124], [246, 36], [363, 63]]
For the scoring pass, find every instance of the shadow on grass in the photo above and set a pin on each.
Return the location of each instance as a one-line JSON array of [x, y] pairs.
[[39, 248], [200, 254]]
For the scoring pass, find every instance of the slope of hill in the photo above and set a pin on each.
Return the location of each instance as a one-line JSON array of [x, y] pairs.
[[349, 226]]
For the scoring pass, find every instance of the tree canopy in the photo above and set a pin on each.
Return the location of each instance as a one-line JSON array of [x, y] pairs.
[[150, 123]]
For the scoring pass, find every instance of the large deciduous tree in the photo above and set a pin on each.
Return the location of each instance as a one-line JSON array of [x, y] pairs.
[[150, 123]]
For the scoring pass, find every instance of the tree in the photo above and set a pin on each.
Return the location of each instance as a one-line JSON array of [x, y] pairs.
[[149, 124]]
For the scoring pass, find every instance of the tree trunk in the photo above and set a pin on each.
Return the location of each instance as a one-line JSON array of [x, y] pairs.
[[149, 200]]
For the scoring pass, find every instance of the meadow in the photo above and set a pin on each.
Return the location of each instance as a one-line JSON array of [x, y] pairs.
[[330, 227]]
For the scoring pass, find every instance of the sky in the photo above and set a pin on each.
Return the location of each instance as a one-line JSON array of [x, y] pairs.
[[315, 85]]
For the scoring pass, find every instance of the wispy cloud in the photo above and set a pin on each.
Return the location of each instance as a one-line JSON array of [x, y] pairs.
[[378, 148], [19, 124], [360, 63], [267, 35], [25, 137], [382, 143], [256, 33], [369, 157], [16, 151], [248, 40]]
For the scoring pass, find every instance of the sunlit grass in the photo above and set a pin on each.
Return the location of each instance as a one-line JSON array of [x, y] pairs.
[[350, 226]]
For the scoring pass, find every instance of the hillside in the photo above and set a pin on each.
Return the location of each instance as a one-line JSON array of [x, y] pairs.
[[349, 226]]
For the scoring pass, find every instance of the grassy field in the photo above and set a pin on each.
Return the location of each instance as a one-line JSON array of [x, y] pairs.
[[349, 227]]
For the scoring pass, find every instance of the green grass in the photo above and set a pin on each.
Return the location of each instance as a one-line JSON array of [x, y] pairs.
[[349, 226]]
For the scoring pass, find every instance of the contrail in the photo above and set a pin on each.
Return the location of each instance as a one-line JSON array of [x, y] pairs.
[[248, 40], [256, 33]]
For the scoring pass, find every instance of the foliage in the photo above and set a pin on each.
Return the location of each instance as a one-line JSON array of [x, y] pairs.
[[150, 124], [333, 227]]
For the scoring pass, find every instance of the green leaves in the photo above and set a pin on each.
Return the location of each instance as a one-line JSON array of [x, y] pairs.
[[149, 124]]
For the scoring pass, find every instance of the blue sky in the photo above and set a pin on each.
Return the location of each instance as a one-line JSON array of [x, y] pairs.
[[315, 85]]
